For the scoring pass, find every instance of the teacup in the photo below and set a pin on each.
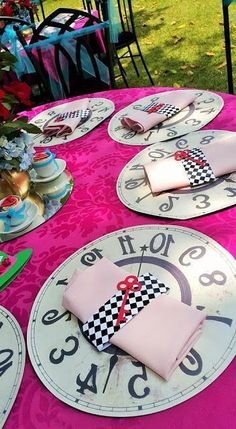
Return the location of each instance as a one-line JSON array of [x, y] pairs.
[[12, 211], [44, 163]]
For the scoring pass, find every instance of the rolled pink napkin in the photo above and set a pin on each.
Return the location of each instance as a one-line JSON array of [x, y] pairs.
[[158, 332], [192, 167], [158, 111], [68, 118]]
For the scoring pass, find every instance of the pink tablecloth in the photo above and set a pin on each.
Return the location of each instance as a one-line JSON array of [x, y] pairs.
[[92, 211]]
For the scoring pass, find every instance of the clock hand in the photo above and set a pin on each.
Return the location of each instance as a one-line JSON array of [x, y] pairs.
[[113, 362], [143, 248]]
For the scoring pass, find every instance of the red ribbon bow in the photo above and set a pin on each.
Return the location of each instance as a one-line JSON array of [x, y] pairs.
[[129, 284], [4, 264], [184, 154]]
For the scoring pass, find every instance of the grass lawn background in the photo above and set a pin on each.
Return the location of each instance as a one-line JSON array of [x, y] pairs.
[[182, 41]]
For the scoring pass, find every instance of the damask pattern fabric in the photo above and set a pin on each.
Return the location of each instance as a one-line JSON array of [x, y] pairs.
[[87, 215]]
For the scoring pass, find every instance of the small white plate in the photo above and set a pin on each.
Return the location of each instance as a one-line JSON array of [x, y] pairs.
[[61, 163], [31, 212]]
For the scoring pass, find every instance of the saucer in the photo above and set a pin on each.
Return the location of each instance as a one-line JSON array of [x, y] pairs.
[[61, 163], [31, 211]]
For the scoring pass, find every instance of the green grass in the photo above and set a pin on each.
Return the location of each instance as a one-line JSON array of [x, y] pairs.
[[182, 41]]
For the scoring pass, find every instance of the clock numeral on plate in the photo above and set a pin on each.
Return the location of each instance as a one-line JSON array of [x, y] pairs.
[[90, 377], [216, 277], [204, 203], [96, 118], [158, 153], [207, 139], [52, 316], [164, 243], [6, 363], [99, 103], [129, 135], [89, 258], [46, 140], [208, 111], [126, 244], [137, 167], [63, 353], [166, 207], [83, 129], [232, 192], [120, 127], [135, 183], [171, 132], [40, 121], [150, 133], [194, 358], [207, 101], [194, 252], [192, 122], [131, 384], [182, 144], [104, 109]]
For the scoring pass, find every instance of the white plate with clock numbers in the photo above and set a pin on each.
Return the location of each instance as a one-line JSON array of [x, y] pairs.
[[101, 109], [198, 271], [134, 192], [12, 361], [194, 117]]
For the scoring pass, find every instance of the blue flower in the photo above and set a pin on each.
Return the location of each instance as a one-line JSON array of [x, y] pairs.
[[25, 162], [19, 149]]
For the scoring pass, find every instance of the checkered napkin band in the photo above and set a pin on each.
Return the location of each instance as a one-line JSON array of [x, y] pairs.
[[121, 308], [83, 114], [162, 108], [196, 166]]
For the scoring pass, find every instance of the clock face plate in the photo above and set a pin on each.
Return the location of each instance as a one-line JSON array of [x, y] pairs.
[[198, 271], [194, 117], [101, 110], [134, 192], [12, 361]]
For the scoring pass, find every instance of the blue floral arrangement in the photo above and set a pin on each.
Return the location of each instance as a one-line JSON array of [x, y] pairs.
[[16, 153]]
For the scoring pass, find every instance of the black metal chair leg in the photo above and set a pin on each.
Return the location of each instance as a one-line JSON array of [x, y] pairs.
[[122, 72], [133, 62], [228, 49], [144, 64]]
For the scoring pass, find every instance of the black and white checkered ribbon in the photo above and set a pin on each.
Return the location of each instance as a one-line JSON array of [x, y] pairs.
[[166, 109], [82, 113], [102, 325], [196, 166]]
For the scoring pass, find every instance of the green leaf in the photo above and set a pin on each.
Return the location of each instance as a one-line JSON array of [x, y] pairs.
[[30, 128], [23, 119]]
